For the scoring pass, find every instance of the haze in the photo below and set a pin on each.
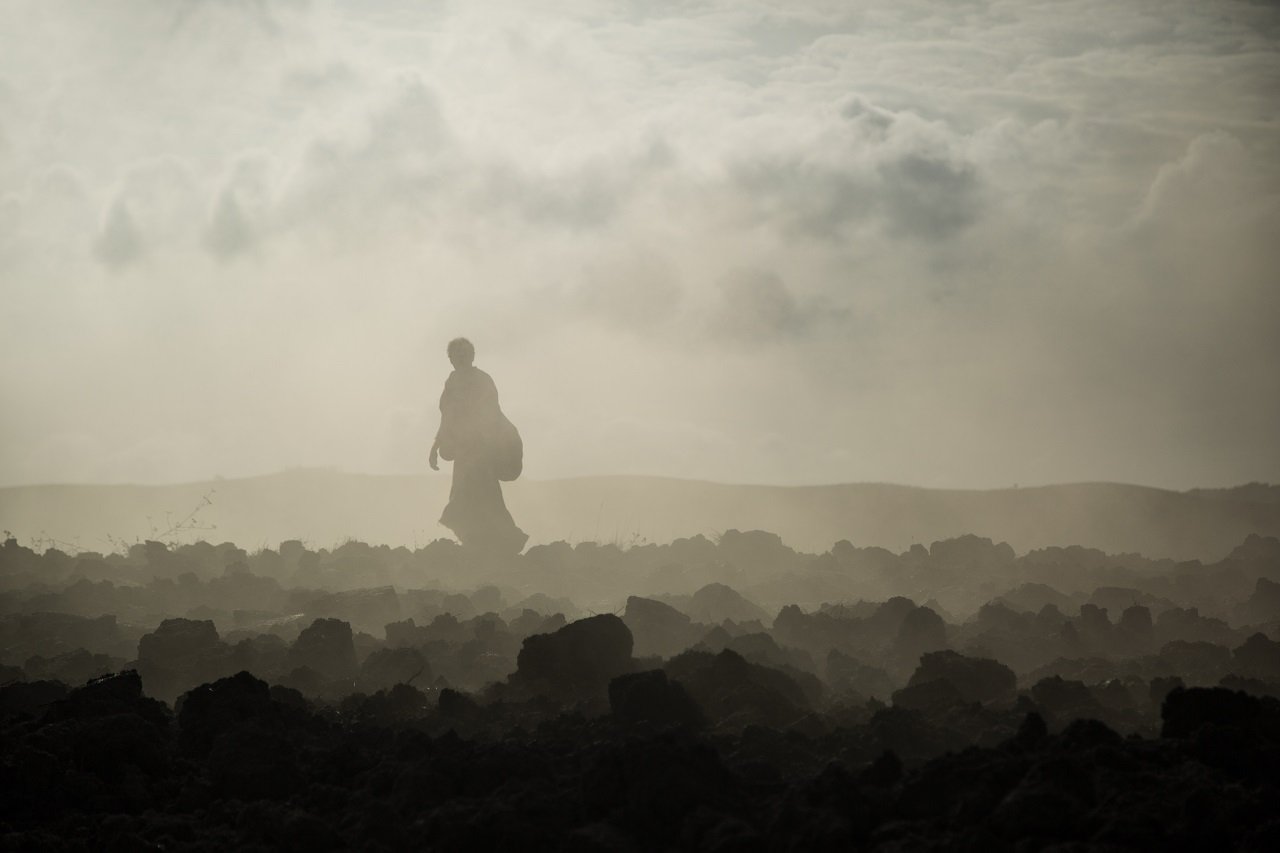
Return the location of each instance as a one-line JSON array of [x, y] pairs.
[[946, 244]]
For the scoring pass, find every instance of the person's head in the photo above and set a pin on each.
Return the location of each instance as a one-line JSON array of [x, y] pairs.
[[461, 352]]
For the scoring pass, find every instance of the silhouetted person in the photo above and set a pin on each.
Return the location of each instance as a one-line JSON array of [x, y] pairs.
[[485, 448]]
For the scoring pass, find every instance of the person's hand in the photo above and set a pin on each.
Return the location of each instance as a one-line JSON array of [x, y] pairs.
[[434, 459]]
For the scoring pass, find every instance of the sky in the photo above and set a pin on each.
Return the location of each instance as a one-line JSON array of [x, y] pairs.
[[947, 244]]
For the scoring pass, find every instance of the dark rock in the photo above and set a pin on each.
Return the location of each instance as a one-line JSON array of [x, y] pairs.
[[715, 602], [326, 647], [928, 695], [578, 660], [847, 674], [1063, 700], [651, 786], [650, 697], [1186, 711], [658, 628], [1162, 686], [110, 696], [180, 654], [730, 689], [884, 771], [29, 697], [458, 706], [385, 668], [210, 710], [74, 667], [975, 679], [1031, 733], [1258, 657], [922, 631], [248, 762]]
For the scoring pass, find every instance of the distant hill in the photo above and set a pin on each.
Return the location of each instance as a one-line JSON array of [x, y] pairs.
[[326, 507]]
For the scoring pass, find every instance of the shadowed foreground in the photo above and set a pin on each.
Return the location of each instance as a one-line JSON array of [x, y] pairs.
[[272, 700]]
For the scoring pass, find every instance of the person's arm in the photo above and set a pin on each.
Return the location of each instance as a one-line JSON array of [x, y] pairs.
[[434, 459]]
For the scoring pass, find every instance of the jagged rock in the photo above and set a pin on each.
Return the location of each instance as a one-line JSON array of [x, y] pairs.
[[326, 647], [578, 659], [729, 689], [211, 709], [386, 668], [1197, 662], [650, 697], [114, 742], [971, 553], [847, 674], [921, 631], [29, 697], [1162, 686], [975, 679], [1187, 710], [1064, 700], [109, 696], [715, 602], [179, 654], [1031, 732], [928, 695], [1263, 604], [658, 628], [1258, 657], [456, 705], [75, 667], [395, 706], [1136, 620]]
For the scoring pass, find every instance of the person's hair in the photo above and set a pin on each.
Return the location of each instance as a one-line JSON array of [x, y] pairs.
[[462, 349]]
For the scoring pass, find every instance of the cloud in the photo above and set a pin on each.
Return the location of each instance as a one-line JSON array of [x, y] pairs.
[[118, 244], [237, 220], [756, 307], [156, 205], [956, 244]]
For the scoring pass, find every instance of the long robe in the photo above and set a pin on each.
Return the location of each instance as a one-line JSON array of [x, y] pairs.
[[470, 432]]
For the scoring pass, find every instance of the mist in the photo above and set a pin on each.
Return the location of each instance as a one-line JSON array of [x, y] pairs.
[[618, 425], [949, 245]]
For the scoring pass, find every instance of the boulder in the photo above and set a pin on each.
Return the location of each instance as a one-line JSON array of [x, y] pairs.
[[658, 628], [326, 647], [715, 602], [1258, 657], [975, 679], [578, 660], [179, 654], [650, 697], [731, 690], [928, 695], [386, 668]]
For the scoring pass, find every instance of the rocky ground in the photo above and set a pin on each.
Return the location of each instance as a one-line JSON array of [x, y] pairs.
[[688, 720]]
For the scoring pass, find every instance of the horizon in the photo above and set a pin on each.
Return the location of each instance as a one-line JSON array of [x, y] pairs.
[[334, 470]]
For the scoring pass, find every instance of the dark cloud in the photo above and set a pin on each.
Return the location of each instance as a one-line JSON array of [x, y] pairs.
[[756, 306], [236, 221], [915, 195], [929, 198], [118, 244]]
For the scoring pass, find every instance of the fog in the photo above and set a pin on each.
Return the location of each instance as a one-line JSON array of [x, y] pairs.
[[944, 244]]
